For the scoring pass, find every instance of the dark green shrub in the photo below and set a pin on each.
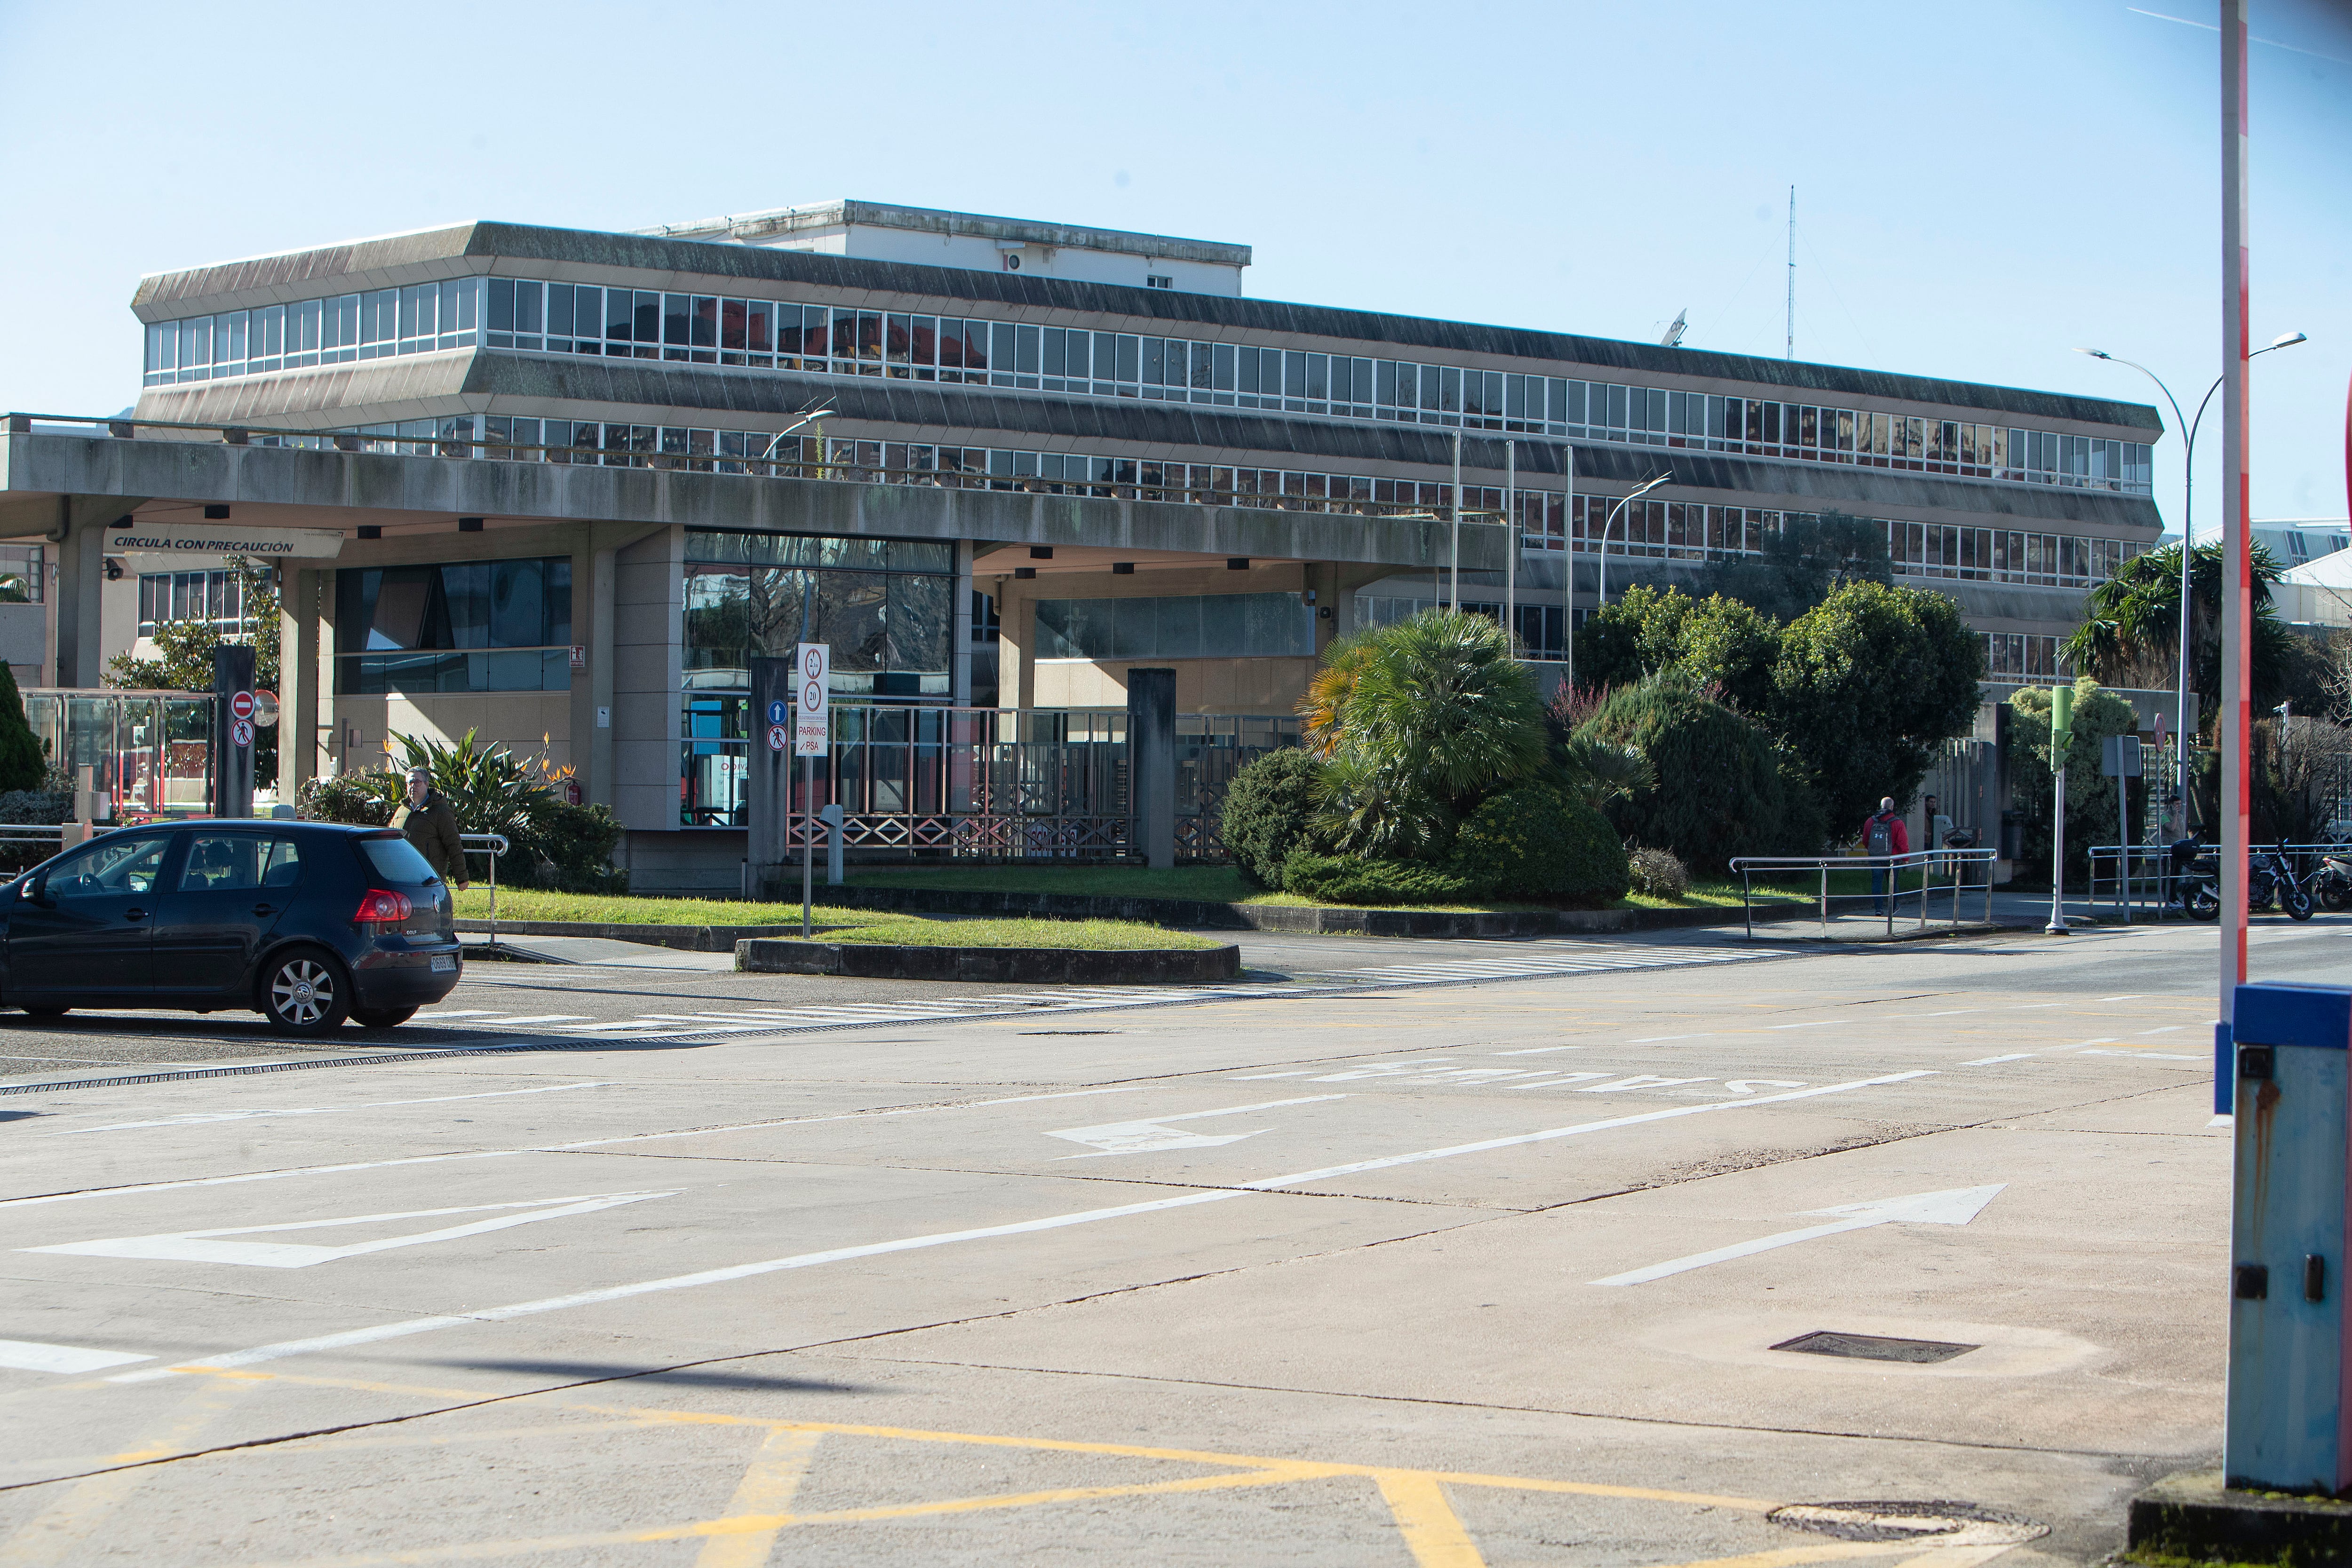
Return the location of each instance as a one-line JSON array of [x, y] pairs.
[[1719, 789], [1268, 806], [577, 842], [22, 764], [1539, 844], [1659, 873], [1335, 880], [361, 800]]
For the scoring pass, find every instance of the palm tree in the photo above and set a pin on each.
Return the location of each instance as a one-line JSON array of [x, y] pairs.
[[1435, 714], [2130, 635]]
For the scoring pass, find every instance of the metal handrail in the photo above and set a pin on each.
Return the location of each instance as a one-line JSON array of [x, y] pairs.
[[1891, 866], [777, 467], [492, 845], [2131, 863]]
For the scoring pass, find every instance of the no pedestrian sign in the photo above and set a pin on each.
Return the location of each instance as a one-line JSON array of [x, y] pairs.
[[776, 737], [241, 732], [812, 718]]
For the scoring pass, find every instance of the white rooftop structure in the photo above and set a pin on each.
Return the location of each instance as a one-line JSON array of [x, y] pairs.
[[875, 231]]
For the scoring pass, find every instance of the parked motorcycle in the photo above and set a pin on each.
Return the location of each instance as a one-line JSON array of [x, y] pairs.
[[2271, 882], [2196, 879], [2331, 885]]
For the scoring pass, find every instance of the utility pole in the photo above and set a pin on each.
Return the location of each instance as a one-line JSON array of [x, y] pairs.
[[1789, 345], [2237, 573]]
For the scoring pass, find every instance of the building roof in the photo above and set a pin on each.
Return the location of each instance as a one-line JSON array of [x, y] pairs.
[[585, 256], [781, 222]]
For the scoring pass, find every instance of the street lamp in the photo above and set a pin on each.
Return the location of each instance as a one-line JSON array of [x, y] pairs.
[[2188, 530], [1601, 602], [804, 420]]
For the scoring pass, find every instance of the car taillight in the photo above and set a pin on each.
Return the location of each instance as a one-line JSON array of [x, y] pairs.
[[381, 905]]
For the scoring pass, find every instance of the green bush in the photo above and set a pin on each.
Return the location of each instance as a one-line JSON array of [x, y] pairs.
[[1539, 844], [1658, 873], [22, 764], [1268, 807], [578, 842], [361, 800], [1335, 880], [1718, 789]]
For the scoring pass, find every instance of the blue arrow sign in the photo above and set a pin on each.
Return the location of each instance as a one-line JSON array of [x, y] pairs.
[[779, 712]]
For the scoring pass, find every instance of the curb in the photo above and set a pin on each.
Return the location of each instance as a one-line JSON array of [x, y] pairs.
[[2192, 1514], [689, 939], [1201, 914], [998, 965]]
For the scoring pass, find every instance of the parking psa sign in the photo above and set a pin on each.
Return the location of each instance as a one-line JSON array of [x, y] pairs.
[[813, 700]]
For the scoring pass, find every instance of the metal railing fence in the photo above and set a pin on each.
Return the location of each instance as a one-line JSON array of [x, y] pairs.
[[492, 845], [1886, 872], [2140, 877]]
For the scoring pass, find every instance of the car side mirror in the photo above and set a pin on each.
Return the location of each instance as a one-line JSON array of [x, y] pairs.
[[37, 890]]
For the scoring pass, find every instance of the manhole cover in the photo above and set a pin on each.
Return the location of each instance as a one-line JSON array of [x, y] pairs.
[[1874, 1347], [1945, 1523]]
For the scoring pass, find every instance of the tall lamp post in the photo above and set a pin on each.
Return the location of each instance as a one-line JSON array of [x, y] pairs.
[[1601, 602], [2187, 531]]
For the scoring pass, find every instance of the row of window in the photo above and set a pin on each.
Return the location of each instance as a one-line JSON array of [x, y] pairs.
[[472, 625], [764, 335], [2023, 655], [24, 573], [215, 597], [1191, 626], [349, 326]]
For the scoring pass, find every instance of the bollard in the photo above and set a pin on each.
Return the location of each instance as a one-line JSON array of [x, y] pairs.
[[2285, 1429], [831, 817]]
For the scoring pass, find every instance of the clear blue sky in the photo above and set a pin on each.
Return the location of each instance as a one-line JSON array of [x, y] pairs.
[[1980, 187]]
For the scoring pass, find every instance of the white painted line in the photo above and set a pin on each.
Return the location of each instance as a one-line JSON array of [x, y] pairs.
[[2030, 1006], [2126, 996], [1559, 1080], [1956, 1207], [144, 1187], [459, 1013], [204, 1245], [542, 1018], [2166, 1029], [2147, 1055], [1807, 1024], [1660, 1039], [1987, 1061], [1538, 1050], [1254, 1076], [382, 1331], [1639, 1080], [200, 1118], [30, 1355], [1947, 1012]]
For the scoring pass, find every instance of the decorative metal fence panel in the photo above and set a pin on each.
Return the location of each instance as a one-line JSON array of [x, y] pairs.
[[985, 784]]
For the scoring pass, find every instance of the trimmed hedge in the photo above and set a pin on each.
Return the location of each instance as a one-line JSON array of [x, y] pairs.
[[1537, 843], [1335, 880], [1268, 808]]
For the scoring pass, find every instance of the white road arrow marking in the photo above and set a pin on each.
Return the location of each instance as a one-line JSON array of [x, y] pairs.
[[31, 1355], [1148, 1137], [202, 1245], [1956, 1205]]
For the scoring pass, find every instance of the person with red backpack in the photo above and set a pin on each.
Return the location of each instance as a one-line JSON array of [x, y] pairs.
[[1882, 836]]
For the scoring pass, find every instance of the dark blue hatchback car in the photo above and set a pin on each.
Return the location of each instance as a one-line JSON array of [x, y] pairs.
[[306, 923]]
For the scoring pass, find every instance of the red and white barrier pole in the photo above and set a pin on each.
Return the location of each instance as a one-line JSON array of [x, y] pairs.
[[2237, 572]]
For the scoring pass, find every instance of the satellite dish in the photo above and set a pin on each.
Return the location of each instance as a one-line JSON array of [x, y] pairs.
[[1674, 338]]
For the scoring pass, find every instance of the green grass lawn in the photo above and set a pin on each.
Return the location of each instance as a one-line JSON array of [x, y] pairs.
[[1220, 884], [834, 924]]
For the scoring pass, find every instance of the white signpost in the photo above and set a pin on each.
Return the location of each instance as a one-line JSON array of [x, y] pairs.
[[811, 738]]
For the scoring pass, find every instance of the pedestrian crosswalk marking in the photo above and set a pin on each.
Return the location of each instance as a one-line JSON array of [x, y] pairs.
[[1528, 962]]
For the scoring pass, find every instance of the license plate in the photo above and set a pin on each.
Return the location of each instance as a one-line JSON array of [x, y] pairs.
[[444, 964]]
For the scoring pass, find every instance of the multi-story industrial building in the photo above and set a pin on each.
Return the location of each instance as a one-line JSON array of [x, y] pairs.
[[865, 358]]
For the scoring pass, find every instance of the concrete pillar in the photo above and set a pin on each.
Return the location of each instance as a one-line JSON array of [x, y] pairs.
[[299, 706], [585, 618], [81, 569], [1016, 646], [959, 630], [768, 783], [593, 757], [1151, 764]]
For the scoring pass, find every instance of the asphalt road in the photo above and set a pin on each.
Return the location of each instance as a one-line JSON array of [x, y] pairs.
[[1435, 1252]]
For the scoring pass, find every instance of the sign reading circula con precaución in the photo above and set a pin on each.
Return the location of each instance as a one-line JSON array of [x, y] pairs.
[[186, 540]]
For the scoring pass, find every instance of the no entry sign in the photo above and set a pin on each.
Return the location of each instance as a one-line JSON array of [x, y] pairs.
[[240, 705]]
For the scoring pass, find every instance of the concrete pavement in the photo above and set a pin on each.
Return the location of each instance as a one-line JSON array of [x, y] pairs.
[[1306, 1270]]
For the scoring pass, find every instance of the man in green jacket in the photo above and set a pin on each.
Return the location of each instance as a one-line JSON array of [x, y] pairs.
[[431, 826]]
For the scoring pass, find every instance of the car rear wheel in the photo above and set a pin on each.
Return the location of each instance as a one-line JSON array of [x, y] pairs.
[[304, 991], [382, 1017]]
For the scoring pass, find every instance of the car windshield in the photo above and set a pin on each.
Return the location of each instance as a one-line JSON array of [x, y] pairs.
[[395, 859]]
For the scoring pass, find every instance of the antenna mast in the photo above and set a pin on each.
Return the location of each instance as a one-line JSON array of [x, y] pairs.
[[1789, 344]]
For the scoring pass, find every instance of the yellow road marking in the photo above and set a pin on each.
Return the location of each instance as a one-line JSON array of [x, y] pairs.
[[62, 1531], [768, 1487], [1433, 1531]]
